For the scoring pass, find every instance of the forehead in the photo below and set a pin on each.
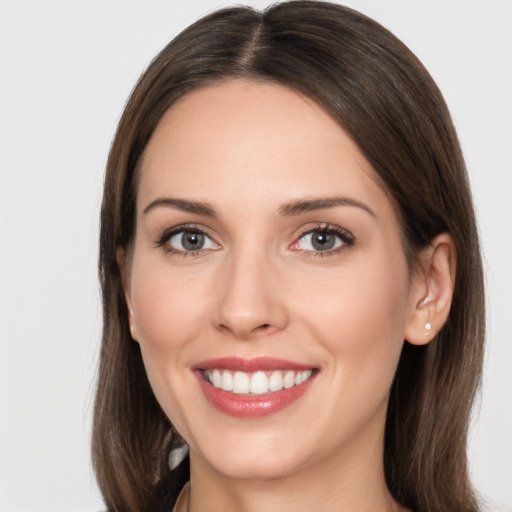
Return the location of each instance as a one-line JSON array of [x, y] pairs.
[[242, 140]]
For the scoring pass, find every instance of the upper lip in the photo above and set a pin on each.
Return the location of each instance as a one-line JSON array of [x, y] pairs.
[[250, 365]]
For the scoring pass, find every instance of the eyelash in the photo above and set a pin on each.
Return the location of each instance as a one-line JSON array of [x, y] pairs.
[[345, 236], [191, 228]]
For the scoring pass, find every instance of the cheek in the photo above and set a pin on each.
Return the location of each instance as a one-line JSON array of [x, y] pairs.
[[359, 319], [169, 305], [170, 311]]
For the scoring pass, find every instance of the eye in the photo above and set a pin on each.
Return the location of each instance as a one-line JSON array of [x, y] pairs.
[[319, 241], [188, 241], [323, 240]]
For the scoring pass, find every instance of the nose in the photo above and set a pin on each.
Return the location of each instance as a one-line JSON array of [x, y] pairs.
[[250, 301]]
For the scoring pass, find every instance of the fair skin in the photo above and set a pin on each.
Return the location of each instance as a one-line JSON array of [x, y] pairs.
[[327, 287]]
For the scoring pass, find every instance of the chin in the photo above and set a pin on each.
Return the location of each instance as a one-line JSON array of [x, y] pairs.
[[259, 468], [257, 461]]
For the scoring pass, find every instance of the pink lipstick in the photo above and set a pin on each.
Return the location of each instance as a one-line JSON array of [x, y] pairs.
[[253, 388]]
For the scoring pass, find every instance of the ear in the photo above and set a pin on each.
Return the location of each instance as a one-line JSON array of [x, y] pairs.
[[431, 291], [123, 263]]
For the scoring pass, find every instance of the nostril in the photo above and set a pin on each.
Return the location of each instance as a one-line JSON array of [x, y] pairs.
[[246, 330]]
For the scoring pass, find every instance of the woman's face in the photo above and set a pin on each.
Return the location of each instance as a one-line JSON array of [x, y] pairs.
[[266, 254]]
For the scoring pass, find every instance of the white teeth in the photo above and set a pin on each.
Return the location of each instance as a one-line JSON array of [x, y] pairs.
[[289, 380], [257, 383], [227, 381], [275, 383], [306, 374], [240, 383], [216, 378]]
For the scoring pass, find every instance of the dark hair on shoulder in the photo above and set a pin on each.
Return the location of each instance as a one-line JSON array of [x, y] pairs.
[[384, 98]]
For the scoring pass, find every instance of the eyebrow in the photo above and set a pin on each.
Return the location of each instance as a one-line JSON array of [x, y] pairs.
[[183, 205], [307, 205], [289, 209]]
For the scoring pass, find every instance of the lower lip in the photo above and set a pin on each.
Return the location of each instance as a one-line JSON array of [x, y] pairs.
[[252, 406]]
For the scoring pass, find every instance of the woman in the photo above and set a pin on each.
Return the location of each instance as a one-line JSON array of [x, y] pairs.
[[285, 203]]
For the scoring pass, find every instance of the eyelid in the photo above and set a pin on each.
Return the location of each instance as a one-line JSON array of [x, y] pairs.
[[168, 234], [346, 237]]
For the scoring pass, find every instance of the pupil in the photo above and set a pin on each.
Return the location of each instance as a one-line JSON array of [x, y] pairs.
[[192, 241], [323, 241]]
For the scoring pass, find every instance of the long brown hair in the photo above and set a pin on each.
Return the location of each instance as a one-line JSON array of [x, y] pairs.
[[383, 97]]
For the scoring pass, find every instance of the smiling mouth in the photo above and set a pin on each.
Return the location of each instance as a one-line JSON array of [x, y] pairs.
[[255, 383], [252, 388]]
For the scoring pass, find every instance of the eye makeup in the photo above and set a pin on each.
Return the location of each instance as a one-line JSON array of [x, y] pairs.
[[313, 241], [194, 240], [323, 240]]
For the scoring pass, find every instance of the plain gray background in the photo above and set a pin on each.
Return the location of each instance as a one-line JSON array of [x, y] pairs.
[[66, 69]]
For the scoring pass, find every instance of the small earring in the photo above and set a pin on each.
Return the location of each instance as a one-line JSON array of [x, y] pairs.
[[177, 455], [428, 325]]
